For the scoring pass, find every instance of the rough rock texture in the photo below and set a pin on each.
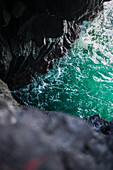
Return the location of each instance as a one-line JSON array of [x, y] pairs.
[[100, 124], [33, 139], [32, 33], [5, 94]]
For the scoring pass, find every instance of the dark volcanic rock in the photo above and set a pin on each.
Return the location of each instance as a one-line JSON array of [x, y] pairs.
[[100, 124], [31, 31], [34, 139], [52, 27], [68, 9]]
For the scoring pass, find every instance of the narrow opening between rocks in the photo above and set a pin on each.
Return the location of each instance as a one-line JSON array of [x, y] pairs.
[[81, 84]]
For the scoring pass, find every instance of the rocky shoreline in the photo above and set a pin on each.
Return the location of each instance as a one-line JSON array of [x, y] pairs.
[[32, 34], [35, 139]]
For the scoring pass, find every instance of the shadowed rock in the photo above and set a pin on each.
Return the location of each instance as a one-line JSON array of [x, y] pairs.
[[100, 125], [34, 139], [32, 30]]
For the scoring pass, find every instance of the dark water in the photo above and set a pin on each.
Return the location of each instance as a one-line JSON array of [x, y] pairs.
[[82, 83]]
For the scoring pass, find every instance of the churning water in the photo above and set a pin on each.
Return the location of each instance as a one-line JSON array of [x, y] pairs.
[[82, 83]]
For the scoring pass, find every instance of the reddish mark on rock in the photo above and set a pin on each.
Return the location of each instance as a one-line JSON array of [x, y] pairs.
[[35, 163]]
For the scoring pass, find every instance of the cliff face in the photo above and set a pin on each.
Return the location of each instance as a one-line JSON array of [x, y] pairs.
[[32, 33]]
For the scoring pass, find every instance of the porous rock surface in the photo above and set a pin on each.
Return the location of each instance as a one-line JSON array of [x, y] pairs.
[[32, 139], [38, 140]]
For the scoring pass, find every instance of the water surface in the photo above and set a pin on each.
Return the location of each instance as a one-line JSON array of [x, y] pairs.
[[82, 83]]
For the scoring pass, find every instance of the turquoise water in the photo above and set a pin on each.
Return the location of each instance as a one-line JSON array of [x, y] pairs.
[[82, 83]]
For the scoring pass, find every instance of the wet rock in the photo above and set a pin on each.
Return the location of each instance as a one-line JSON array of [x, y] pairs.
[[100, 125], [32, 30], [32, 33], [67, 42]]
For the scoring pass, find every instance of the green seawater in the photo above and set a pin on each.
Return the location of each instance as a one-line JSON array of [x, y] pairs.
[[81, 83]]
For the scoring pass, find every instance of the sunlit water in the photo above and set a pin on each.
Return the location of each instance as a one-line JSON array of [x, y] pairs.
[[82, 83]]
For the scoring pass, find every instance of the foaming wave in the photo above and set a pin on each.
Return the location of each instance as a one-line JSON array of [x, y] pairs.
[[82, 83]]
